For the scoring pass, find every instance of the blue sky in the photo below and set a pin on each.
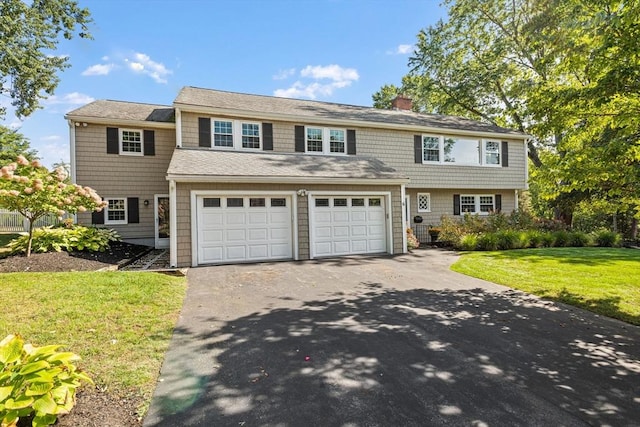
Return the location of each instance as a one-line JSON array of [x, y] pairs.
[[146, 50]]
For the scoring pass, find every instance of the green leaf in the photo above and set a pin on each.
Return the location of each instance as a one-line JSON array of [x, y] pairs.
[[34, 367], [45, 405], [11, 349], [5, 392], [38, 389], [19, 403], [64, 357], [43, 420]]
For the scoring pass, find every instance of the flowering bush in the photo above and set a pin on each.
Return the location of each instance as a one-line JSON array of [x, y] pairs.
[[412, 240], [32, 190]]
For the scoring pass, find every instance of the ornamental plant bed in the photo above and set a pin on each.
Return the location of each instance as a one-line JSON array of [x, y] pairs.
[[119, 253]]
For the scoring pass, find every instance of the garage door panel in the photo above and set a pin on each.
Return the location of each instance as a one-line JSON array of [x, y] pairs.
[[258, 234], [235, 235], [258, 218], [358, 227], [249, 230]]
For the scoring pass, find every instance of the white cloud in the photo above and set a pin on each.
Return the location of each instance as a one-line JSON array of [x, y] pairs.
[[332, 72], [318, 75], [402, 49], [73, 98], [98, 70], [54, 152], [143, 64], [284, 74]]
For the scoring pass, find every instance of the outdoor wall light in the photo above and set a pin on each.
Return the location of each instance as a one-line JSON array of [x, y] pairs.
[[146, 203], [302, 192]]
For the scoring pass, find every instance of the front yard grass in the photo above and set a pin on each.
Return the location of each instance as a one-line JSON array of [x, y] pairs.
[[119, 323], [603, 280]]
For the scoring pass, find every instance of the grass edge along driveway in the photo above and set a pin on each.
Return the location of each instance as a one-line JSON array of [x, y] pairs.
[[120, 323], [605, 281]]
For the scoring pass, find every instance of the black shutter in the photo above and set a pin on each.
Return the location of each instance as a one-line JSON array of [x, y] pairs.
[[133, 212], [498, 202], [113, 145], [417, 148], [204, 132], [351, 142], [149, 137], [299, 138], [267, 136], [456, 204], [97, 217], [505, 154]]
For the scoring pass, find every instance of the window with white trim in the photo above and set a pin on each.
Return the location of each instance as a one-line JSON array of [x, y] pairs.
[[115, 211], [325, 140], [236, 134], [131, 142], [461, 151], [481, 204], [424, 202]]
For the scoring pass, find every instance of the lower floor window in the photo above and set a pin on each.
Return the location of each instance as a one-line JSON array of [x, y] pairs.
[[116, 211], [477, 204], [424, 202]]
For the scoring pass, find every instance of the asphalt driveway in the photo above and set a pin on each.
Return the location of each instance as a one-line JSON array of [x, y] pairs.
[[388, 342]]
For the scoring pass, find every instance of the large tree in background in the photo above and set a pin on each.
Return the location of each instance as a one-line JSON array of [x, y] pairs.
[[12, 145], [29, 34], [567, 72]]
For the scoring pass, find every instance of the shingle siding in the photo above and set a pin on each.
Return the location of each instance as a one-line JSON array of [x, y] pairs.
[[114, 175], [396, 149]]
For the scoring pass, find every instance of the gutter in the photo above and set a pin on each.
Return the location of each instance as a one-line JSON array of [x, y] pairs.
[[123, 122], [285, 180]]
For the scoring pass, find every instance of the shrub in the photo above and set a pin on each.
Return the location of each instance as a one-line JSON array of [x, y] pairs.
[[606, 238], [548, 240], [469, 242], [579, 239], [535, 239], [412, 240], [488, 242], [38, 381], [507, 240], [561, 239], [58, 239]]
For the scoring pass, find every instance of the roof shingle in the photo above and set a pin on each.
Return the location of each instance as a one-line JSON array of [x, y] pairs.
[[120, 110], [204, 162], [296, 107]]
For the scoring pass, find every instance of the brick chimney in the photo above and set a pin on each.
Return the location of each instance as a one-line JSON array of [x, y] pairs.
[[401, 102]]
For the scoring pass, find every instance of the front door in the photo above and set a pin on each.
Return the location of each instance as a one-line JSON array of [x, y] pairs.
[[162, 220]]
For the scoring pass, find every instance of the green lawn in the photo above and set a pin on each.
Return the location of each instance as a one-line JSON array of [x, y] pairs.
[[119, 323], [603, 280]]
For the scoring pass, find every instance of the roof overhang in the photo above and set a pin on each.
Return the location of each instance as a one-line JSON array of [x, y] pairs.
[[239, 179], [191, 108], [120, 122]]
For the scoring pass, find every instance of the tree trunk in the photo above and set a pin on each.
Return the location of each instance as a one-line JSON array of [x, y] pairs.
[[634, 228], [31, 223]]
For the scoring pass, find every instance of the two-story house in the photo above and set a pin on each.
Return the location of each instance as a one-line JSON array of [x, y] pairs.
[[223, 177]]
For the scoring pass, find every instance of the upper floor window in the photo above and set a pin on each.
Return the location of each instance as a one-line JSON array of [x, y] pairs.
[[325, 140], [460, 151], [131, 142], [236, 134]]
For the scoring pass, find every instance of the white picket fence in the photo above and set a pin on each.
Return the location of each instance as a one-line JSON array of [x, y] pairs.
[[13, 222]]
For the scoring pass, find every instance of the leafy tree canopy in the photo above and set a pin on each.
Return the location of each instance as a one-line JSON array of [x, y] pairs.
[[13, 144], [29, 34], [566, 72]]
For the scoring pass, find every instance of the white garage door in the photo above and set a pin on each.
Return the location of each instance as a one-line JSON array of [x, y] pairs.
[[250, 228], [345, 225]]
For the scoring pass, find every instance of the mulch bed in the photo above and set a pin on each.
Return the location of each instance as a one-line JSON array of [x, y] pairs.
[[118, 253], [93, 408]]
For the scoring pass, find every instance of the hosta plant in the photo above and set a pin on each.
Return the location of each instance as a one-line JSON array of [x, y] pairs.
[[36, 381]]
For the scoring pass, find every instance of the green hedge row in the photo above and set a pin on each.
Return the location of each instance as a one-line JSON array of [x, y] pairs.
[[509, 239]]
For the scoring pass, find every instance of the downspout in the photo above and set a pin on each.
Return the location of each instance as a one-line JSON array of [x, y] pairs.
[[173, 225], [403, 197], [178, 128], [72, 150]]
